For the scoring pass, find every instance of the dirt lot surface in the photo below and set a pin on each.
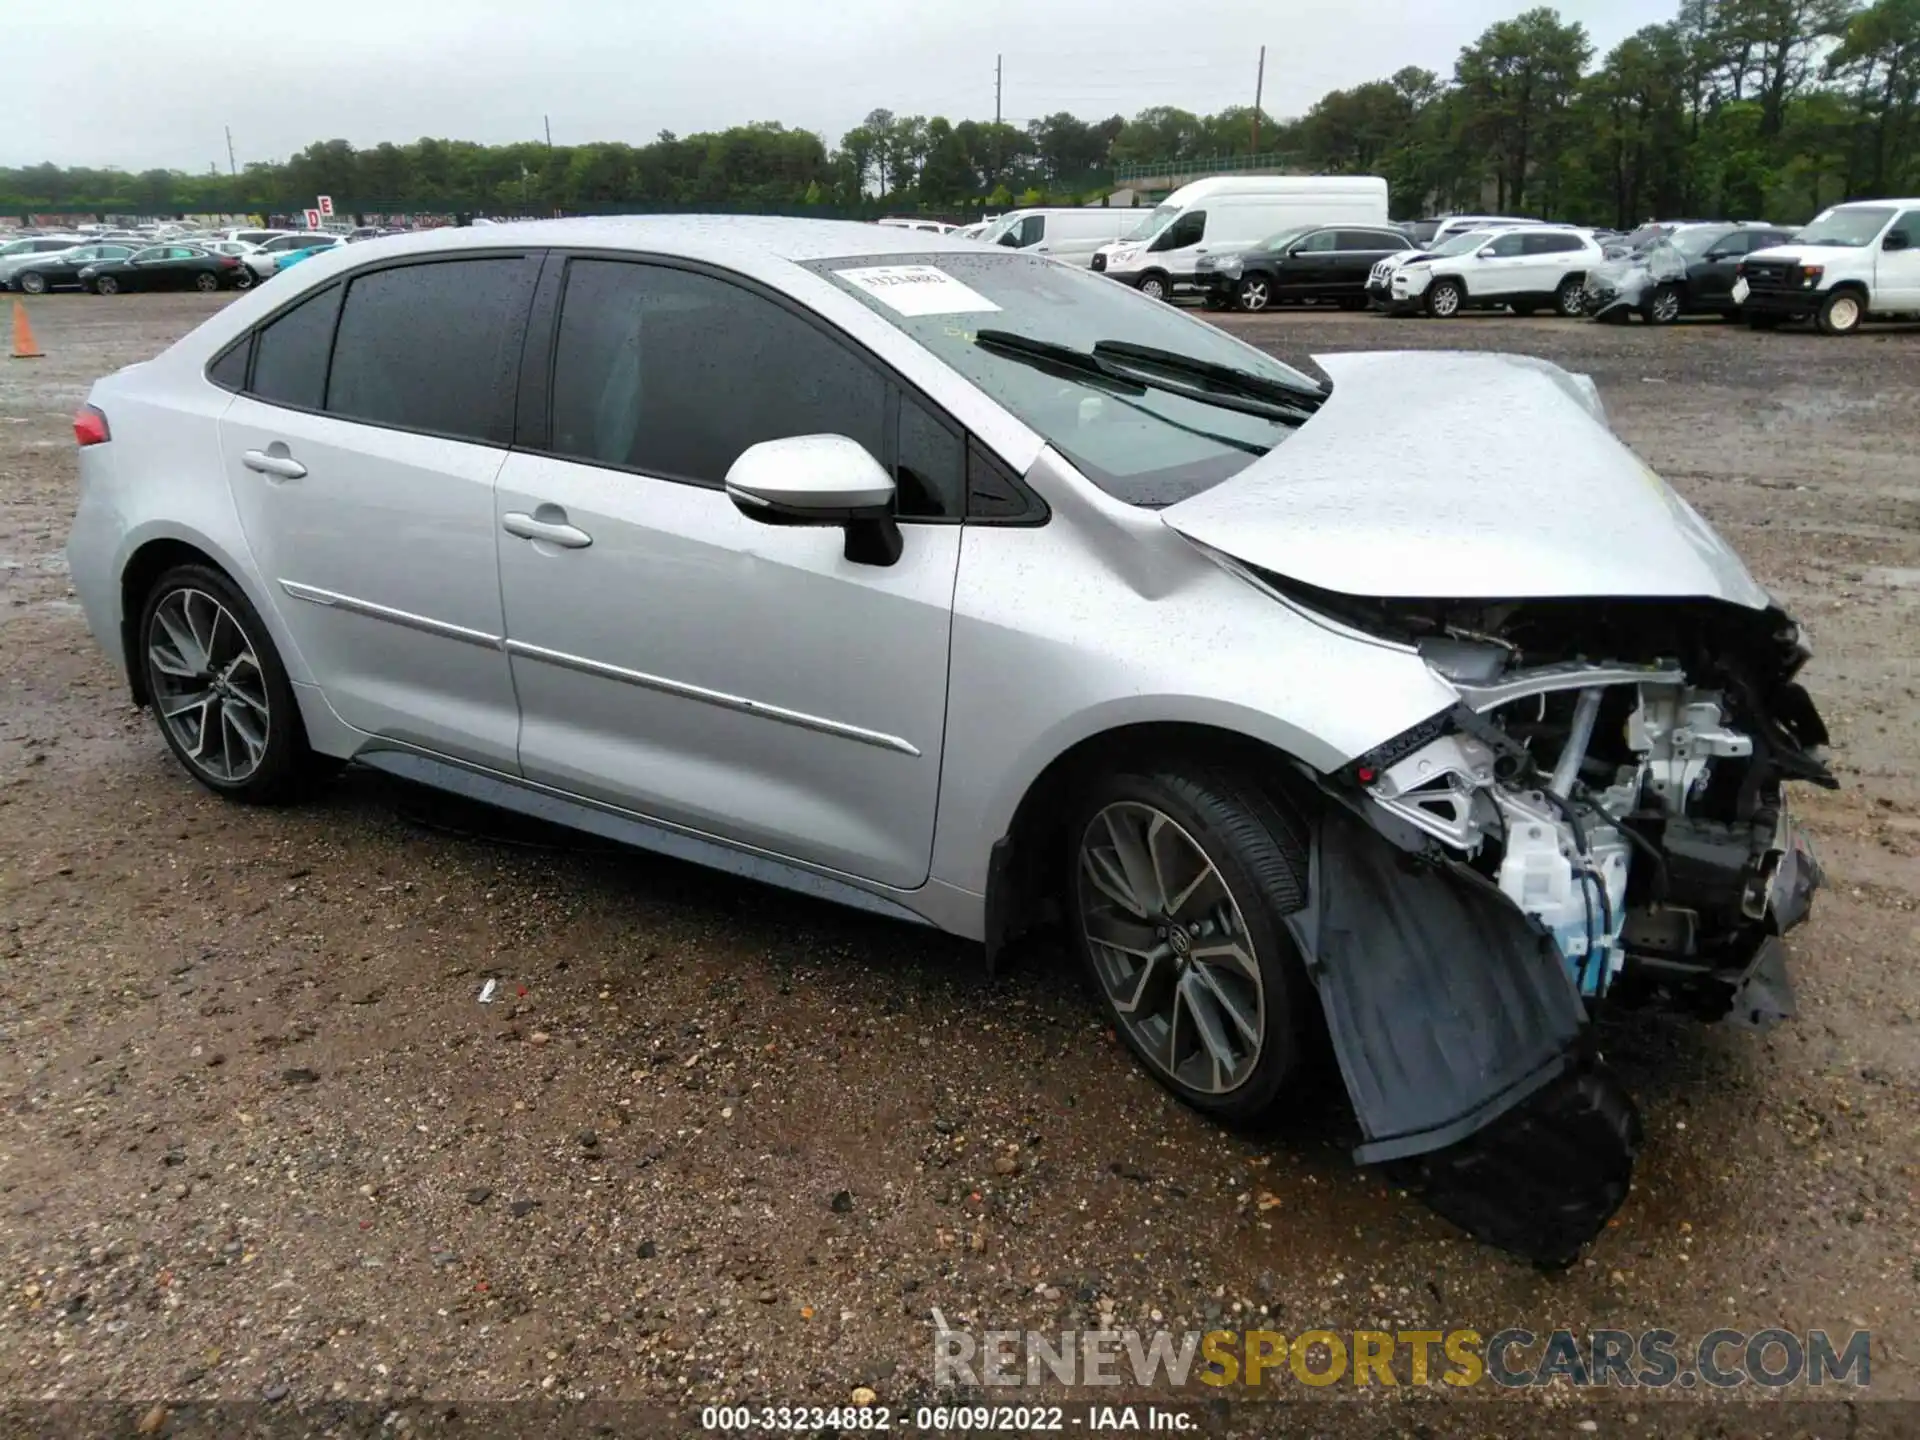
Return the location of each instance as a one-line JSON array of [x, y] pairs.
[[258, 1141]]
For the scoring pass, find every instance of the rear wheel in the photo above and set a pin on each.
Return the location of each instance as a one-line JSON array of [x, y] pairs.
[[1841, 313], [1444, 299], [206, 282], [106, 285], [34, 283], [1179, 879], [1254, 293], [1571, 298], [242, 278], [219, 691], [1662, 307]]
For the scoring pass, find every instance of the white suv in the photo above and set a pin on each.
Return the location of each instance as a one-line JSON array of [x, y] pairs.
[[1525, 269]]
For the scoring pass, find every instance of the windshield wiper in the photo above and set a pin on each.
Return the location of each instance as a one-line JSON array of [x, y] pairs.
[[1090, 370], [1244, 383], [1122, 365]]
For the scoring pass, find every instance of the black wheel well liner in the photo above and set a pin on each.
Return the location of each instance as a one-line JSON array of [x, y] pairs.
[[144, 567], [1026, 857]]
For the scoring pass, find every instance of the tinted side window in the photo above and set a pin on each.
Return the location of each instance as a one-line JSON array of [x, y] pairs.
[[1909, 224], [1551, 244], [290, 353], [931, 468], [675, 373], [433, 347], [1510, 244], [1033, 229], [1189, 229], [1319, 242], [229, 372]]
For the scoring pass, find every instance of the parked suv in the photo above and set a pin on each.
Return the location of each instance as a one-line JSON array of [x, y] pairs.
[[1525, 270], [1380, 278], [1313, 262], [1853, 261], [973, 590]]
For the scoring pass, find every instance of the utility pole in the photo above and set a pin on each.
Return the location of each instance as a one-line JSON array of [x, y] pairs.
[[546, 121], [233, 167], [999, 161], [1259, 85]]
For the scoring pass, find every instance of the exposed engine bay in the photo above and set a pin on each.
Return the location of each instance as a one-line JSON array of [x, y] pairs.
[[1615, 768]]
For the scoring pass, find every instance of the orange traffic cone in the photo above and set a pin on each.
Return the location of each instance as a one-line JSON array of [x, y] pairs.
[[23, 344]]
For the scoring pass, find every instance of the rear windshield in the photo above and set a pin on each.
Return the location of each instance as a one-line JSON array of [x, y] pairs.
[[1152, 448]]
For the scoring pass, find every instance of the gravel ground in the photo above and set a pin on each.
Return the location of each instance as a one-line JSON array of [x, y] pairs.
[[259, 1142]]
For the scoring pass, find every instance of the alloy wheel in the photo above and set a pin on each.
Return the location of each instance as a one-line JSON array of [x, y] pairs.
[[1170, 947], [207, 685], [1253, 295], [1666, 307], [207, 281], [1153, 288], [1446, 301], [33, 283]]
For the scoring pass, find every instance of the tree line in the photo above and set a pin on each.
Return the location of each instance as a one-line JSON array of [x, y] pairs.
[[1737, 108]]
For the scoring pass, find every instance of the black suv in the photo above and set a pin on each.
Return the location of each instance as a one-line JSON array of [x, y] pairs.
[[1688, 271], [1312, 262]]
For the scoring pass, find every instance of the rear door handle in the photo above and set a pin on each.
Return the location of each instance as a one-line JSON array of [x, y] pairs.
[[554, 532], [267, 463]]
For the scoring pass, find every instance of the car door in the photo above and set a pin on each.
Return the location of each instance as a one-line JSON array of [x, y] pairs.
[[1500, 267], [677, 659], [1710, 278], [1897, 269], [1305, 269], [365, 488]]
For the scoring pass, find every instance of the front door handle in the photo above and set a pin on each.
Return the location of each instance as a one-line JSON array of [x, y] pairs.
[[274, 462], [554, 532]]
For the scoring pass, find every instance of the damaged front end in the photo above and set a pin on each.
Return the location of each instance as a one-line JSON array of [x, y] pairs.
[[1619, 288], [1601, 819]]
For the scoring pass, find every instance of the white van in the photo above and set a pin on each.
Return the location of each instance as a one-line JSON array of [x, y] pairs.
[[1231, 213], [1071, 235]]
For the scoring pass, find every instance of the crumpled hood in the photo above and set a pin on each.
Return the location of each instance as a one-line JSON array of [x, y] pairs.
[[1452, 475]]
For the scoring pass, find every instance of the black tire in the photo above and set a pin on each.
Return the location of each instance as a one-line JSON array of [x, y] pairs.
[[1253, 294], [1571, 298], [33, 283], [1662, 306], [1541, 1181], [206, 282], [106, 285], [1257, 843], [1156, 286], [242, 278], [1445, 299], [1842, 312], [288, 766]]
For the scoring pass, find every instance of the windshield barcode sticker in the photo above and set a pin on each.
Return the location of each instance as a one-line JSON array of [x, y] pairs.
[[917, 290]]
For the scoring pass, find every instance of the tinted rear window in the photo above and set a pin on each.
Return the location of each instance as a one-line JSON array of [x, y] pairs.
[[290, 352], [433, 347]]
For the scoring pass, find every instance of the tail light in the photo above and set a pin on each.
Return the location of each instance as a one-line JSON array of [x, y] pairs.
[[227, 262], [90, 426]]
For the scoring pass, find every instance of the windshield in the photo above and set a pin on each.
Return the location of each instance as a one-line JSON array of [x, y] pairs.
[[1284, 238], [1153, 448], [1460, 244], [996, 228], [1853, 225], [1693, 243], [1154, 223]]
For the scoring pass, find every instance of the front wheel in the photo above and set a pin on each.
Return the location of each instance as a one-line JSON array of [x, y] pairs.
[[1156, 287], [1571, 298], [106, 285], [1841, 313], [1179, 879], [219, 691], [1663, 306], [1444, 299], [1254, 294]]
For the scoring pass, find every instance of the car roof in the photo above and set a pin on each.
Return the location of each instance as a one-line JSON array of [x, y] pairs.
[[717, 238]]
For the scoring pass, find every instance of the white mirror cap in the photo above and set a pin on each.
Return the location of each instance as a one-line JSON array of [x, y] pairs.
[[810, 472]]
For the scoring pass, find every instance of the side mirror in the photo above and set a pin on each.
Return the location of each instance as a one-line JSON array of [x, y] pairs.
[[1896, 240], [1487, 253], [820, 480]]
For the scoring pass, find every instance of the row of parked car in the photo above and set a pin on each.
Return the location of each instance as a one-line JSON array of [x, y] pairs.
[[110, 263]]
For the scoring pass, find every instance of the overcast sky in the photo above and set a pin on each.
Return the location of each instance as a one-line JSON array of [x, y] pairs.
[[140, 84]]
